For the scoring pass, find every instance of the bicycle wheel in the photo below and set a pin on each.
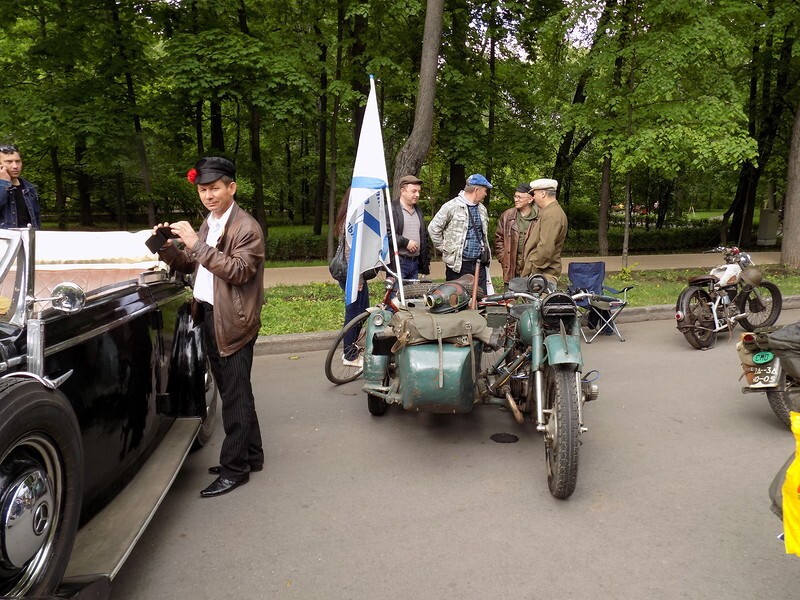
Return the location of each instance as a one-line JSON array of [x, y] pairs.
[[345, 364]]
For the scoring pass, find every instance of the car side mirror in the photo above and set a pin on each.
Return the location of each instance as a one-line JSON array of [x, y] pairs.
[[67, 298]]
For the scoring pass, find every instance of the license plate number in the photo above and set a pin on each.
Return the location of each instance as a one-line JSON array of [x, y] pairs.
[[766, 375]]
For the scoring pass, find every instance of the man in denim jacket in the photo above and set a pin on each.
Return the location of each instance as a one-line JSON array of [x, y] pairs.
[[460, 231], [19, 202]]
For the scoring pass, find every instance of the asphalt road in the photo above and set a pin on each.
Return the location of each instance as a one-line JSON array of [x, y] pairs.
[[671, 499]]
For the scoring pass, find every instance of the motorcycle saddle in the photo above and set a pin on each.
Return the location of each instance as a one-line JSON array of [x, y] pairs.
[[703, 279]]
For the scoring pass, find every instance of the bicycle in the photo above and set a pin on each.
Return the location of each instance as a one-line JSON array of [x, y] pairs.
[[340, 370]]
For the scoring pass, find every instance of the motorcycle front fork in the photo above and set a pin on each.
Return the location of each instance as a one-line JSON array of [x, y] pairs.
[[539, 391]]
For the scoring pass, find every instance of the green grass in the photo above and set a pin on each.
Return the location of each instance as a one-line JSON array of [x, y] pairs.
[[320, 306]]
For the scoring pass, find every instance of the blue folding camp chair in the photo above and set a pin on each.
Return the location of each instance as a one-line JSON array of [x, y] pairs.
[[600, 312]]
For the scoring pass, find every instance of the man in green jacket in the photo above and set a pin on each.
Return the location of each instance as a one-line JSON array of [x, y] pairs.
[[546, 239]]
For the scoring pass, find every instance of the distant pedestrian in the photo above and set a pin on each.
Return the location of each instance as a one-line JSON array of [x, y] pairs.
[[410, 231], [351, 357], [513, 229], [546, 240], [460, 231], [19, 202]]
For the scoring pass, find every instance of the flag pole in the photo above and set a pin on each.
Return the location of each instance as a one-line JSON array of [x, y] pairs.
[[394, 246]]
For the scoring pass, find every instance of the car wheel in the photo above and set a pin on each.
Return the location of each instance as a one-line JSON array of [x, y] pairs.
[[41, 483]]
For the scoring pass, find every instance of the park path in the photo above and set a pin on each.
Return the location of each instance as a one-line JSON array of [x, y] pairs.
[[648, 262]]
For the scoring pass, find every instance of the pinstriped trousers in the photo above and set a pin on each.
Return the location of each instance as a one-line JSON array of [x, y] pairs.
[[242, 447]]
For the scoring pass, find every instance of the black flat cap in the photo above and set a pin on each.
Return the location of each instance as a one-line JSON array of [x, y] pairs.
[[211, 168]]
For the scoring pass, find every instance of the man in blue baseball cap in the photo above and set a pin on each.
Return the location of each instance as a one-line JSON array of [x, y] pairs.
[[459, 231]]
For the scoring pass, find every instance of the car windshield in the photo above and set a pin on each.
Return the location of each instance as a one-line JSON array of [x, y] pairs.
[[11, 271]]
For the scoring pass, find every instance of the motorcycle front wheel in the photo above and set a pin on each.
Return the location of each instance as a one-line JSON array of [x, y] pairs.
[[697, 312], [782, 402], [760, 304], [561, 430]]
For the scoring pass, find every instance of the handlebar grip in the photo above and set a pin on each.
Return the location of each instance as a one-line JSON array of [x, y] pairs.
[[499, 297]]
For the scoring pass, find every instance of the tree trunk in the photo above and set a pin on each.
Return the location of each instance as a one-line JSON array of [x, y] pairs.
[[258, 169], [61, 197], [137, 124], [217, 133], [198, 125], [359, 78], [764, 122], [255, 142], [413, 153], [790, 248], [322, 116], [567, 153], [122, 211], [334, 120], [605, 207], [84, 183], [458, 177]]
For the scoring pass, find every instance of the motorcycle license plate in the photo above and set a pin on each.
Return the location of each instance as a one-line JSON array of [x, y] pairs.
[[766, 374]]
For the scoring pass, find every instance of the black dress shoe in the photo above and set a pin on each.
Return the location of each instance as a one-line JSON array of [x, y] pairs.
[[223, 486], [216, 470]]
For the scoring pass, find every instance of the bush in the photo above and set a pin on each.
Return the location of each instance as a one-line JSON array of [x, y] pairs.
[[288, 244], [582, 216], [641, 241]]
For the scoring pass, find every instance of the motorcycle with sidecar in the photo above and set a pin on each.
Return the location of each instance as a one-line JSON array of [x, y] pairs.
[[431, 359]]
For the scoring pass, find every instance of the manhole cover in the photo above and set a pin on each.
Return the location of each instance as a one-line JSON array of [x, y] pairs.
[[504, 438]]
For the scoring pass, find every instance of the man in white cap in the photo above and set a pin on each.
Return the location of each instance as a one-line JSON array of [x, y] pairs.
[[460, 231], [546, 240]]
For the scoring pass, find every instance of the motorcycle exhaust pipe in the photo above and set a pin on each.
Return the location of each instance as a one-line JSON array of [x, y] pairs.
[[512, 405]]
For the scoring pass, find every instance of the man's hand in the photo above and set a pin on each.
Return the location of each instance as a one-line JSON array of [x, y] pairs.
[[185, 233], [412, 246], [4, 174]]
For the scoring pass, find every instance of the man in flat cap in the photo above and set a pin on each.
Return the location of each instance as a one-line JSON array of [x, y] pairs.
[[409, 230], [546, 240], [460, 231], [513, 228], [227, 258]]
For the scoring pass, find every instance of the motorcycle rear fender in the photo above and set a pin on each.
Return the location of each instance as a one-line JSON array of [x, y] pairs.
[[559, 353]]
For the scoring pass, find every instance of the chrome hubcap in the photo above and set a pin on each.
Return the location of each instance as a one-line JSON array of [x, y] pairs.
[[26, 517]]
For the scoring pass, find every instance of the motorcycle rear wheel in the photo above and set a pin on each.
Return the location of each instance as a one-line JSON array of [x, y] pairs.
[[761, 304], [562, 430], [787, 400], [695, 307]]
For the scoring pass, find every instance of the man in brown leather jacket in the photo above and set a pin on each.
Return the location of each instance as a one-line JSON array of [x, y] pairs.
[[512, 231], [227, 258]]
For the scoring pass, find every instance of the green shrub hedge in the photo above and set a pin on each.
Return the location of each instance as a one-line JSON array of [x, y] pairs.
[[290, 244]]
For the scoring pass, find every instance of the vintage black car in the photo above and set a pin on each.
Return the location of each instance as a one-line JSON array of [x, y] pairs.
[[103, 391]]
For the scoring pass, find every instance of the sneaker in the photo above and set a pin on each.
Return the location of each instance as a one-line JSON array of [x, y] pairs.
[[357, 363]]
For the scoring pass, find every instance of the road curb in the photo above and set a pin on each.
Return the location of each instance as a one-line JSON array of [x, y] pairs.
[[292, 343]]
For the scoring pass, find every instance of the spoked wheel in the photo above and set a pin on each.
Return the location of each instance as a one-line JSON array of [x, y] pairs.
[[787, 400], [761, 304], [345, 362], [562, 430], [41, 482], [695, 305]]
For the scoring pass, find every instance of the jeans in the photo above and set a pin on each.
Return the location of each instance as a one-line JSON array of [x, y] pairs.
[[409, 267], [351, 311]]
